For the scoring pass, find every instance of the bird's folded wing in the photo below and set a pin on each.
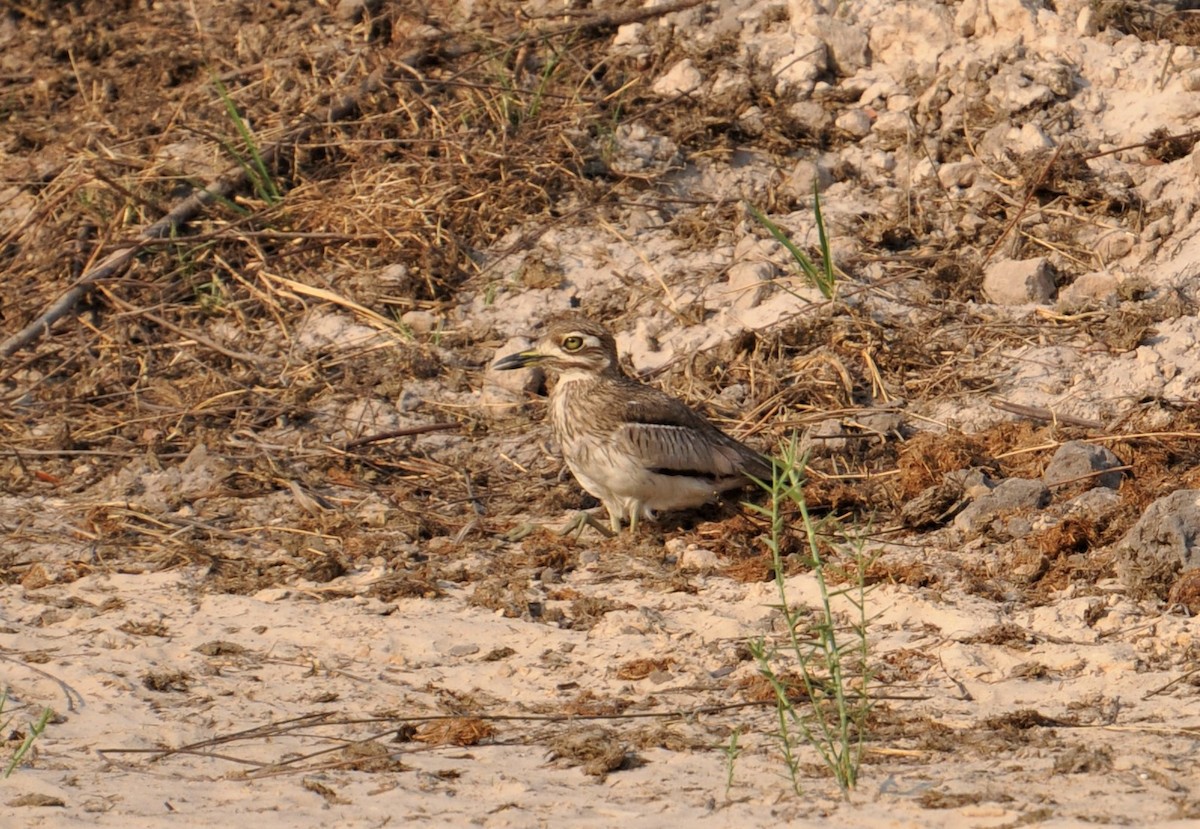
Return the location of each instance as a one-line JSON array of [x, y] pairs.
[[678, 450]]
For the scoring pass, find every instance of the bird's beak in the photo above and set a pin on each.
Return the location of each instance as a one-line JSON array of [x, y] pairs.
[[522, 359]]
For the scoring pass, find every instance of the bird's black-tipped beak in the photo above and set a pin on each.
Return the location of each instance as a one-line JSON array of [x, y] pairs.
[[522, 359]]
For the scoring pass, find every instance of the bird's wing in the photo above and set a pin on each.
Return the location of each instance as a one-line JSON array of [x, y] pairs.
[[670, 438]]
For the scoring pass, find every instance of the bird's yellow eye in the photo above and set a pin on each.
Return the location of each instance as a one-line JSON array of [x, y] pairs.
[[572, 343]]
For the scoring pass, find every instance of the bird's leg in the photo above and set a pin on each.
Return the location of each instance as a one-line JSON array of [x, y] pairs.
[[638, 511], [582, 519]]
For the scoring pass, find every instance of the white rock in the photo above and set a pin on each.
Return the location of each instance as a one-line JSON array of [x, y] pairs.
[[631, 34], [1158, 229], [1090, 289], [893, 129], [749, 283], [855, 122], [846, 43], [1010, 282], [753, 121], [698, 558], [681, 79], [811, 114], [800, 12], [1031, 138], [419, 322], [1085, 23], [1006, 17], [730, 84], [1115, 246], [800, 68], [504, 392], [911, 38], [804, 176], [959, 173]]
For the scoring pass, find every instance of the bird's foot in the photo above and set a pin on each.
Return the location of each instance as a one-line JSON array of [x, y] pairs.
[[585, 519], [521, 531]]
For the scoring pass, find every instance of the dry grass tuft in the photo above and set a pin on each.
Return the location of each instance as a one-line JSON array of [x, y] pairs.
[[458, 731]]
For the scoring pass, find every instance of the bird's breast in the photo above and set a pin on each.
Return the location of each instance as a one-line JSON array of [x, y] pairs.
[[570, 413]]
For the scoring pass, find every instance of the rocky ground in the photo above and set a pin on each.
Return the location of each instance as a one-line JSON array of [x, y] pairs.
[[277, 542]]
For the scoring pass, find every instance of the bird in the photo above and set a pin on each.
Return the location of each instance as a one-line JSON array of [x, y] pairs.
[[634, 447]]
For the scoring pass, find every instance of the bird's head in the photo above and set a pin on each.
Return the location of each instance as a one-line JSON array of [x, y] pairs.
[[570, 344]]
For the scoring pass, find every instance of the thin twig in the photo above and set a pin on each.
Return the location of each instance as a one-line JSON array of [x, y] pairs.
[[1021, 212], [1038, 413], [401, 433]]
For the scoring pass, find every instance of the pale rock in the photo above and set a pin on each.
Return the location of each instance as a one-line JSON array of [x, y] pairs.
[[1011, 282], [855, 122], [698, 559], [372, 513], [964, 19], [1165, 540], [631, 34], [812, 115], [1190, 80], [505, 392], [922, 170], [419, 322], [806, 176], [958, 173], [1114, 246], [800, 68], [1031, 138], [801, 12], [892, 129], [1086, 464], [877, 91], [980, 18], [884, 162], [1056, 76], [827, 439], [751, 246], [910, 39], [753, 121], [1158, 229], [1085, 22], [392, 276], [1013, 91], [971, 223], [749, 283], [846, 42], [681, 79], [1098, 288], [1013, 495], [1183, 214], [730, 84]]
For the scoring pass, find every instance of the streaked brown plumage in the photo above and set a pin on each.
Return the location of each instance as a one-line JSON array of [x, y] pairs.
[[634, 447]]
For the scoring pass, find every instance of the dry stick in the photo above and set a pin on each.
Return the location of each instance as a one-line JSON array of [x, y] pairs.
[[70, 693], [224, 186], [1021, 212], [252, 359], [1183, 136], [1038, 413], [401, 433]]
